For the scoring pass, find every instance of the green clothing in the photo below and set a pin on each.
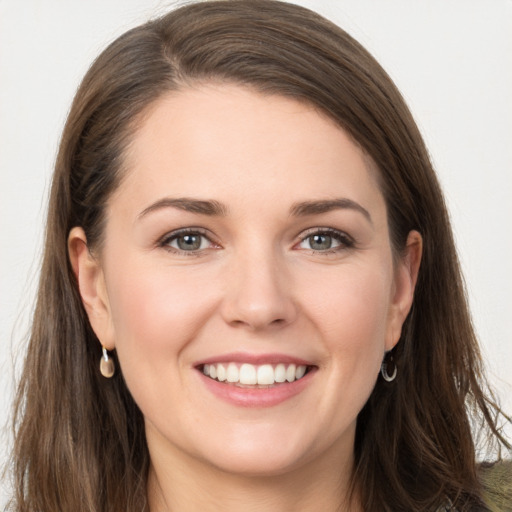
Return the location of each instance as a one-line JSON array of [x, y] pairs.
[[497, 483]]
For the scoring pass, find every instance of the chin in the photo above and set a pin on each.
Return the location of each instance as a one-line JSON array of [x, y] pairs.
[[260, 465], [259, 456]]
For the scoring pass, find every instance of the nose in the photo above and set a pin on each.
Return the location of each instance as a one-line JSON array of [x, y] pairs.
[[258, 293]]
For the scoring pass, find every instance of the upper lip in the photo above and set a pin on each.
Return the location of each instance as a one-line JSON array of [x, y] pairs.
[[255, 359]]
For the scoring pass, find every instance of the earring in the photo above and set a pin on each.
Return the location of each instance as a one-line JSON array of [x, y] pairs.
[[107, 367], [387, 364]]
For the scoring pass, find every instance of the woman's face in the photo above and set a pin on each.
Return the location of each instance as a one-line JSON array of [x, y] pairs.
[[248, 241]]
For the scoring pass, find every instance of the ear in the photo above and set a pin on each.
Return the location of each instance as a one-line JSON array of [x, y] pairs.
[[406, 275], [92, 287]]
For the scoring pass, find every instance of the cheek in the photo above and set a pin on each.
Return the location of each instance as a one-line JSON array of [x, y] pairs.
[[156, 313], [350, 309]]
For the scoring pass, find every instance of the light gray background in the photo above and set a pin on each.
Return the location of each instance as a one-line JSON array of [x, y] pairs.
[[452, 60]]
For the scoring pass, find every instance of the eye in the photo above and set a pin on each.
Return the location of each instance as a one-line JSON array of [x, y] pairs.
[[326, 240], [186, 241], [189, 242]]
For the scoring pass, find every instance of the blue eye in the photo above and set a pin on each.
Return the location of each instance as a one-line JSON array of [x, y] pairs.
[[321, 242], [326, 240], [188, 241]]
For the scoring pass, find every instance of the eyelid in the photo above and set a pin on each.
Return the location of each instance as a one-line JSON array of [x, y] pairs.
[[346, 241], [165, 240]]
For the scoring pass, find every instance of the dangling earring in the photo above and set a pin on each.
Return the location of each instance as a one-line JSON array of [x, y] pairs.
[[107, 367], [388, 364]]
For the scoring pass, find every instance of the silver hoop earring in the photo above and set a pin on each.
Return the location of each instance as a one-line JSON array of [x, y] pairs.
[[388, 364], [107, 366]]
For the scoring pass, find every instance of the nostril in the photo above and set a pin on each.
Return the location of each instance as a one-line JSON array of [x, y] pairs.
[[257, 324]]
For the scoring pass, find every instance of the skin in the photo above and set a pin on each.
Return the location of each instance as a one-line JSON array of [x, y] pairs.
[[257, 285]]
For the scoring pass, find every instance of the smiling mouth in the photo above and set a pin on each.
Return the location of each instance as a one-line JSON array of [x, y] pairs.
[[249, 375]]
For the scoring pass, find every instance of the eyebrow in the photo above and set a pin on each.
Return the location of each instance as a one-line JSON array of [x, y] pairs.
[[324, 206], [203, 207], [215, 208]]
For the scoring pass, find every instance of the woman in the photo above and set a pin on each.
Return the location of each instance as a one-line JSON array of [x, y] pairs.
[[250, 296]]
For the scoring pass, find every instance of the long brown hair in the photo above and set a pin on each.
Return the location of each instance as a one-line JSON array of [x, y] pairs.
[[80, 442]]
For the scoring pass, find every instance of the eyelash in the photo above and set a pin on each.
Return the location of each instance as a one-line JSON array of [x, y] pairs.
[[344, 240], [175, 235]]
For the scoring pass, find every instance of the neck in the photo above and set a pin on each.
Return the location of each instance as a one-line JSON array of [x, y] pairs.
[[187, 485]]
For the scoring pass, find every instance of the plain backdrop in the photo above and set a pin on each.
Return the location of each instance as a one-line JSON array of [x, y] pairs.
[[452, 60]]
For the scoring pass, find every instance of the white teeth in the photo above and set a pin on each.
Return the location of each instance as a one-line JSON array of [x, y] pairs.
[[232, 373], [290, 373], [221, 373], [299, 372], [280, 373], [250, 375], [266, 374]]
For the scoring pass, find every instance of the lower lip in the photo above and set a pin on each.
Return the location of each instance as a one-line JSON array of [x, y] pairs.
[[256, 397]]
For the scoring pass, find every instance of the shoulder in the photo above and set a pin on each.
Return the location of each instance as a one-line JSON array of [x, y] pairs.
[[496, 480]]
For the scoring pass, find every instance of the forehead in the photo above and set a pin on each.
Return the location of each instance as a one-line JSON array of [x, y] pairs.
[[226, 140]]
